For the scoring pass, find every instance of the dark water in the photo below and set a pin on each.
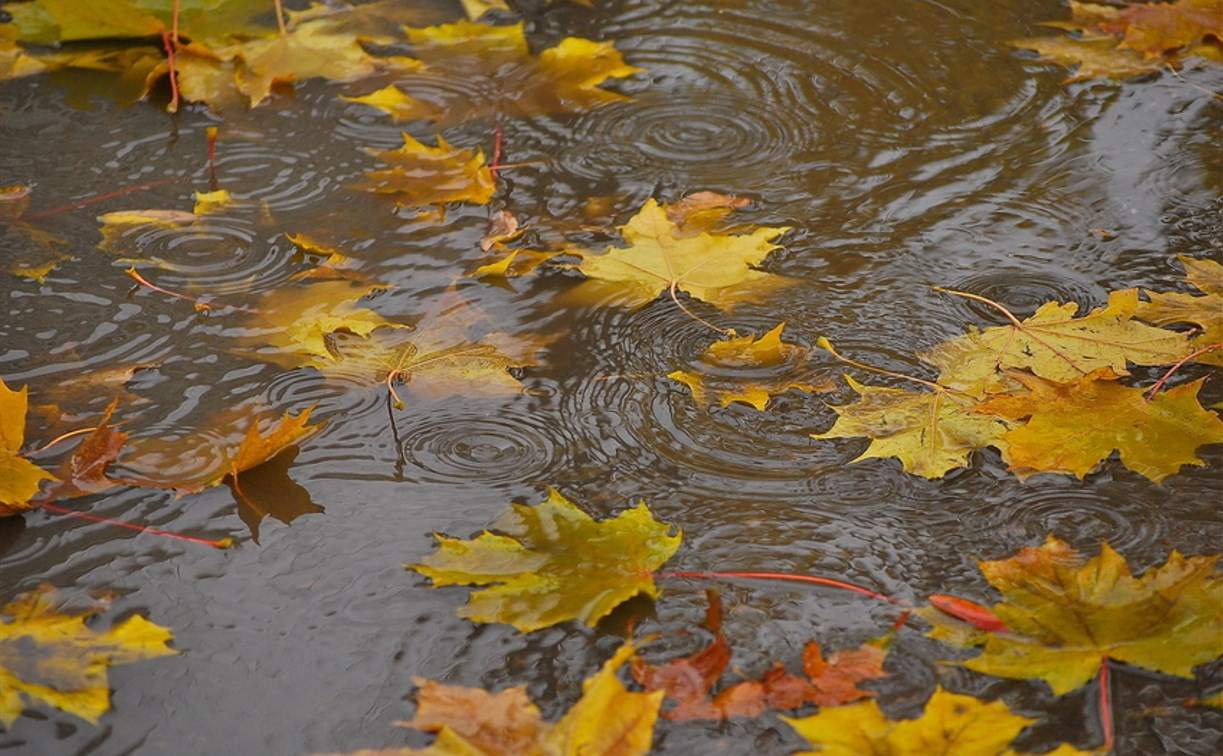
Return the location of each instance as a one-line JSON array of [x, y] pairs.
[[903, 141]]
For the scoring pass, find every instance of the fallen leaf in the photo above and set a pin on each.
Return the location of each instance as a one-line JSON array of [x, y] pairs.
[[608, 720], [689, 680], [300, 322], [516, 262], [717, 268], [552, 563], [1074, 426], [34, 252], [85, 471], [951, 724], [1068, 614], [423, 175], [20, 478], [748, 370], [1054, 344], [1095, 58], [702, 211], [1205, 311], [930, 432], [503, 227], [56, 659], [474, 9], [498, 76]]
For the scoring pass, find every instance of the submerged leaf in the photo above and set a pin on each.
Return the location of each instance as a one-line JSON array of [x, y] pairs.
[[718, 268], [498, 76], [608, 720], [1066, 615], [56, 659], [552, 563], [749, 370], [423, 175], [930, 432], [1073, 426]]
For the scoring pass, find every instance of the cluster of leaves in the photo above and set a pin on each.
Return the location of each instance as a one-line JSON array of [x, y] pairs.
[[225, 53], [1127, 39], [1062, 619], [1047, 391]]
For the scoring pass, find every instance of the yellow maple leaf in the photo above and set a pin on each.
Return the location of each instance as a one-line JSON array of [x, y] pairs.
[[608, 720], [497, 75], [56, 659], [718, 268], [1073, 426], [1066, 615], [423, 175], [1205, 311], [749, 370], [951, 724], [299, 322], [20, 479]]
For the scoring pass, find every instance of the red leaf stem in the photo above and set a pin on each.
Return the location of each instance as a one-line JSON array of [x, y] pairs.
[[781, 576]]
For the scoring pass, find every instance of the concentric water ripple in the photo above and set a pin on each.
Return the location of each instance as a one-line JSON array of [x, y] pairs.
[[517, 446], [1022, 291]]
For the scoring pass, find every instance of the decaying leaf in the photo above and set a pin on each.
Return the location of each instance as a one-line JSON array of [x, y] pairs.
[[423, 175], [29, 251], [688, 681], [20, 478], [715, 267], [52, 658], [930, 432], [85, 471], [1054, 344], [743, 369], [552, 563], [1118, 42], [1204, 311], [498, 75], [1073, 426], [951, 724], [608, 720], [702, 211], [1068, 614]]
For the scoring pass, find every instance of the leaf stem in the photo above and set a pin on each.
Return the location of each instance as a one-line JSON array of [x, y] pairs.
[[199, 306], [223, 543], [1160, 383], [826, 345], [169, 43], [57, 439], [693, 315], [498, 144], [1009, 315], [280, 17], [781, 576], [1106, 707], [100, 198]]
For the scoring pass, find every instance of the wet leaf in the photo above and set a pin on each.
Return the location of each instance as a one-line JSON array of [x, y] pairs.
[[1074, 426], [85, 471], [1067, 614], [15, 62], [423, 175], [31, 252], [552, 563], [1054, 344], [485, 70], [751, 371], [1205, 311], [300, 322], [51, 21], [20, 478], [952, 724], [1137, 38], [53, 658], [930, 432], [702, 211], [688, 681], [718, 268], [608, 720]]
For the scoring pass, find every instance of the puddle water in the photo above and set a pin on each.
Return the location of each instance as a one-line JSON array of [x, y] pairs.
[[904, 143]]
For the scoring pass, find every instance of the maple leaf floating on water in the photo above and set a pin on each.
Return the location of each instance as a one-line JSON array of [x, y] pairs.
[[422, 175], [35, 252], [689, 681], [20, 479], [1067, 615], [608, 720], [719, 268], [1054, 344], [552, 563], [1073, 426], [744, 369], [1135, 39], [1205, 311], [951, 724], [54, 658], [488, 70]]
